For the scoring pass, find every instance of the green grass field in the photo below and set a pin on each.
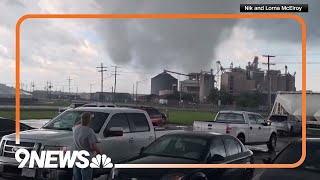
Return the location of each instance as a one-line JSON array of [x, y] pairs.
[[187, 117], [30, 114], [175, 117]]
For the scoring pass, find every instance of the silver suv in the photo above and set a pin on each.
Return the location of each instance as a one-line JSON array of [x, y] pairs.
[[286, 124]]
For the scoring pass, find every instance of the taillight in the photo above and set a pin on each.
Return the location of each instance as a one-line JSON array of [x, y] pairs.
[[228, 130]]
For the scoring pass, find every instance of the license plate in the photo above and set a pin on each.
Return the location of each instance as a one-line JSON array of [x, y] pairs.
[[28, 173]]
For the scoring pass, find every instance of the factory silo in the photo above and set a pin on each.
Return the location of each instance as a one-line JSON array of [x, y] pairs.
[[163, 81], [206, 84]]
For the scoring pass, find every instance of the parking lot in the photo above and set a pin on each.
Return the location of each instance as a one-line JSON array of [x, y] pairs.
[[260, 151]]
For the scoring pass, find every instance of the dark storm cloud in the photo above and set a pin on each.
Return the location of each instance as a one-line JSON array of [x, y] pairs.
[[287, 30], [155, 43]]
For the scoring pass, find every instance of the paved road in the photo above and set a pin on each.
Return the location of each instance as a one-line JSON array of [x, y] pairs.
[[260, 152]]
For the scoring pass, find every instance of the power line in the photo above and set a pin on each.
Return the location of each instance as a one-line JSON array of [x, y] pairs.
[[269, 79], [102, 69], [69, 81], [115, 78]]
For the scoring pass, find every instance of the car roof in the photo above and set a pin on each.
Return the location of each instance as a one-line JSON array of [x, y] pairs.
[[284, 115], [99, 103], [237, 112], [311, 140], [108, 109], [203, 135]]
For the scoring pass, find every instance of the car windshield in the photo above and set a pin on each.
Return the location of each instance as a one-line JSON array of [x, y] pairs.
[[230, 117], [278, 118], [179, 147], [68, 119], [292, 154]]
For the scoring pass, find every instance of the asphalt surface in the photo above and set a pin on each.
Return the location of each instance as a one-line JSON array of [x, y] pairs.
[[260, 151]]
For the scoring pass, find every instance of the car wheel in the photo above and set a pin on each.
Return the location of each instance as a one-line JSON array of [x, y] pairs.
[[242, 138], [272, 142], [291, 131]]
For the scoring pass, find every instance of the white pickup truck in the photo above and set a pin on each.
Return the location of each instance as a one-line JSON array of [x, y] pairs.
[[121, 132], [250, 128]]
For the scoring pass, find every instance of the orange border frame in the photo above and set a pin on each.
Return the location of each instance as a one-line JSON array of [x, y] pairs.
[[177, 16]]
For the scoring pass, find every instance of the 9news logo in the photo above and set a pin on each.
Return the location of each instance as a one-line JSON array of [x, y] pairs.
[[61, 159]]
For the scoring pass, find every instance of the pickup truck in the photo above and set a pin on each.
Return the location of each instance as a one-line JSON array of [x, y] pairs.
[[250, 128], [122, 133]]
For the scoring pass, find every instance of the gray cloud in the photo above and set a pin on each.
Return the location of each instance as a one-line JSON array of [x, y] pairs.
[[287, 30], [153, 44]]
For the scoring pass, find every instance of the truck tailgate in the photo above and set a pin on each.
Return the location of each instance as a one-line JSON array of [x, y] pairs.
[[209, 126]]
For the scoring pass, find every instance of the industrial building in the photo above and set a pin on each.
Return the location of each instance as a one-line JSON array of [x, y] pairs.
[[10, 92], [163, 81], [8, 95], [192, 84], [198, 85], [237, 80]]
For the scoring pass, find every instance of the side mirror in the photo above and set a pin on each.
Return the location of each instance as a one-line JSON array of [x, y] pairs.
[[267, 160], [217, 157], [114, 131]]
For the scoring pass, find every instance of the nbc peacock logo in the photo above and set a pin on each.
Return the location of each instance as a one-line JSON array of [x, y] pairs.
[[101, 161]]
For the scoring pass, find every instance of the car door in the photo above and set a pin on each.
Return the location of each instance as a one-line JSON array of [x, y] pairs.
[[253, 129], [217, 148], [233, 156], [143, 135], [118, 147], [263, 129]]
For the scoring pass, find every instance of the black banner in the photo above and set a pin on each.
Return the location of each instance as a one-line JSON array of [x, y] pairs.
[[299, 8]]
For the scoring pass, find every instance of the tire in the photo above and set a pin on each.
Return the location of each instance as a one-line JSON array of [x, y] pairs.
[[272, 143], [248, 174], [242, 138], [291, 131]]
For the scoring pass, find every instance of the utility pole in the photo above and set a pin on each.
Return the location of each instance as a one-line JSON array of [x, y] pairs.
[[101, 70], [91, 87], [269, 78], [47, 89], [69, 80], [137, 83], [50, 87], [133, 91], [115, 80], [137, 91], [32, 86]]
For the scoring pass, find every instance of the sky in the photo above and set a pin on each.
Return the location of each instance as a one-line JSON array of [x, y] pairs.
[[56, 49]]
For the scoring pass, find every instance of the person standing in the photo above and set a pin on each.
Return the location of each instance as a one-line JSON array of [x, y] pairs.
[[84, 138]]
